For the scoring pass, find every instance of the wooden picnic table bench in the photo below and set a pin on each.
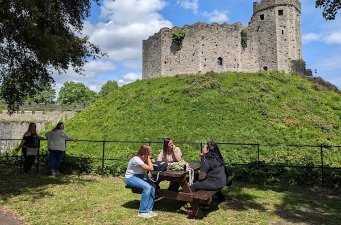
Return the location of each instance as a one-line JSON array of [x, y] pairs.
[[196, 199]]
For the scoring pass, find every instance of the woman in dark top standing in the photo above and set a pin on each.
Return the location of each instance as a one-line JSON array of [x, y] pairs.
[[212, 174], [29, 146]]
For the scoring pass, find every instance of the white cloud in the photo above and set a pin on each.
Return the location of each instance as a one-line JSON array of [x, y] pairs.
[[132, 76], [216, 16], [129, 78], [331, 63], [189, 4], [125, 24], [334, 38], [309, 37]]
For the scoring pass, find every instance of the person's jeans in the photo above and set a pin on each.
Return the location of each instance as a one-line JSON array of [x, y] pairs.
[[148, 191], [55, 159]]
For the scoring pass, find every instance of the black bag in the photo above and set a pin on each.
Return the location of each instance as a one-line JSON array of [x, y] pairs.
[[229, 178], [160, 166]]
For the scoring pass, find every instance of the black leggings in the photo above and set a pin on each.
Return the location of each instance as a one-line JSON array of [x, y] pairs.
[[28, 162], [205, 185]]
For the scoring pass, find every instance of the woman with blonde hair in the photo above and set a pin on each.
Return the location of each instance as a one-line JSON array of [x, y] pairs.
[[135, 177]]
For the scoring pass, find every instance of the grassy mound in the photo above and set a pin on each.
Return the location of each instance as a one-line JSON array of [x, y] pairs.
[[264, 108]]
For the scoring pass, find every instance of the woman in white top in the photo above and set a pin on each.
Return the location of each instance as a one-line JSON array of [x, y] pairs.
[[56, 145], [135, 177], [169, 153]]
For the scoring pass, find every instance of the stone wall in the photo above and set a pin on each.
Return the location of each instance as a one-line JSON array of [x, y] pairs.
[[14, 126], [274, 40]]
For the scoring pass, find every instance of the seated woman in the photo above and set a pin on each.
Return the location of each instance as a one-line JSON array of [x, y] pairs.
[[212, 174], [135, 178], [169, 153]]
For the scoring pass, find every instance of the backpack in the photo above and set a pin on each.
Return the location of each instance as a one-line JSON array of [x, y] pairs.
[[160, 166]]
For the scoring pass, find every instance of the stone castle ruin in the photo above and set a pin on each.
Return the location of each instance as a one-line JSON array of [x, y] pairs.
[[271, 41]]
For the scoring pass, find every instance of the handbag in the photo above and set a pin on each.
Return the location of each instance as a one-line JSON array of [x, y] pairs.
[[160, 166]]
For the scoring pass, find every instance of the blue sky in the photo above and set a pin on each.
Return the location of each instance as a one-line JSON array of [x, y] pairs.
[[119, 27]]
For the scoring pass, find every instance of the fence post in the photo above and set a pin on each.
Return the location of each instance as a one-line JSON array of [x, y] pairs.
[[103, 154], [322, 169], [258, 154]]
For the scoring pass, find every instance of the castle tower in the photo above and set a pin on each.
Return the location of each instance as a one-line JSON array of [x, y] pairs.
[[276, 28]]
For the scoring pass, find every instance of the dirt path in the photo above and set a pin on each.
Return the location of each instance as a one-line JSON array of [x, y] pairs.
[[8, 218]]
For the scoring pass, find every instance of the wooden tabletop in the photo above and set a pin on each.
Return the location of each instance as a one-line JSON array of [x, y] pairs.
[[195, 165]]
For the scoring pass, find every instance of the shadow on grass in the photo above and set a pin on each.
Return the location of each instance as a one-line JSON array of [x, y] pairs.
[[14, 184], [297, 205]]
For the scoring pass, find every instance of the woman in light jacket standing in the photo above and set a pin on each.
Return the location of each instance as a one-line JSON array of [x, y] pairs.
[[56, 145]]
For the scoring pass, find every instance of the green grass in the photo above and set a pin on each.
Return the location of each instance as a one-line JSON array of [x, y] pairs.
[[104, 200]]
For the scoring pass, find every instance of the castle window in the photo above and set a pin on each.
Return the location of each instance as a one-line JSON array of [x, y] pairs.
[[261, 17], [258, 28], [265, 68], [282, 31], [220, 61], [280, 12]]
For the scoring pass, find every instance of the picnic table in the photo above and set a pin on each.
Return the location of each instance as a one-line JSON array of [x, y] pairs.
[[180, 178]]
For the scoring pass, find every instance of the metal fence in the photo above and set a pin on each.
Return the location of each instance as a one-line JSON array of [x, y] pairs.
[[302, 156]]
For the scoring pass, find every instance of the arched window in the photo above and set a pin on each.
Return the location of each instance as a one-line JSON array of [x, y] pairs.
[[265, 68], [220, 61]]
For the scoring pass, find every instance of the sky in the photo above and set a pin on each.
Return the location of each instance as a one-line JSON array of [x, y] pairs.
[[118, 28]]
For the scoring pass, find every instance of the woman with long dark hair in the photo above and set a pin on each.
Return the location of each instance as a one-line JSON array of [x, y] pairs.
[[212, 174], [135, 177], [30, 145]]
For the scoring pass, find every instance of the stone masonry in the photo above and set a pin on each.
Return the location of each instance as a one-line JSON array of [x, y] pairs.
[[273, 43]]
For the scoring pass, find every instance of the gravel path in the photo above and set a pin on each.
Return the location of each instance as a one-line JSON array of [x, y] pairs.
[[7, 218]]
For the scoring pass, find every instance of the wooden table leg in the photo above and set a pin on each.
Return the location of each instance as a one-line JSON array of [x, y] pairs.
[[197, 212]]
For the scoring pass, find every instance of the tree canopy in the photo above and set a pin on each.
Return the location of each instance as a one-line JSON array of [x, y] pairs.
[[73, 93], [47, 95], [38, 38], [330, 8], [108, 87]]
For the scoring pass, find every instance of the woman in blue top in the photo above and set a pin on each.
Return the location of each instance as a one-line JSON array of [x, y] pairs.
[[135, 178]]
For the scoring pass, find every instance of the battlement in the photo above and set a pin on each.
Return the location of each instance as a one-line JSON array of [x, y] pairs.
[[269, 4]]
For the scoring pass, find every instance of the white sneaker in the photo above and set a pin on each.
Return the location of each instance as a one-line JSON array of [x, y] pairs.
[[53, 173], [152, 213], [145, 215]]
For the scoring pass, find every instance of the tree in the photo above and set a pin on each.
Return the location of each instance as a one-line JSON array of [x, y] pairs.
[[38, 38], [73, 93], [330, 8], [47, 95], [108, 87]]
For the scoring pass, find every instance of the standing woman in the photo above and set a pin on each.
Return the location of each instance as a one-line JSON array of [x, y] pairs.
[[56, 145], [135, 177], [29, 145], [212, 174], [169, 153]]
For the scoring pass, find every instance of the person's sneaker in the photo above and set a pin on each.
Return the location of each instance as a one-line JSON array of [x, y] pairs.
[[53, 173], [152, 213], [144, 215], [58, 173]]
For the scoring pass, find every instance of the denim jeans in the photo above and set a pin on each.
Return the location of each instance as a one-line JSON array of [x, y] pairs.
[[148, 191], [55, 159]]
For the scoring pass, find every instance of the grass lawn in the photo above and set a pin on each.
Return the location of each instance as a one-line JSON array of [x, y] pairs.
[[104, 200]]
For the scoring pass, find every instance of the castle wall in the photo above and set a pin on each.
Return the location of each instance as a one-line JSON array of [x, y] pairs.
[[274, 40], [202, 48], [151, 54]]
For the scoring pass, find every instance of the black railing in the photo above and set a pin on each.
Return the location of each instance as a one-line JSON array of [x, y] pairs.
[[259, 154]]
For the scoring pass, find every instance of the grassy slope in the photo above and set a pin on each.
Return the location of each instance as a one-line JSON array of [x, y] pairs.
[[234, 107], [260, 108]]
